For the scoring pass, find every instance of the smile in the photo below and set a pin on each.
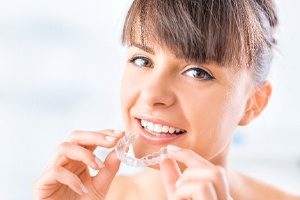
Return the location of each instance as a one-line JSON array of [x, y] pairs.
[[160, 130]]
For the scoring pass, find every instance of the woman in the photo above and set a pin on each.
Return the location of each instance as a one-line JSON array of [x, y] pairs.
[[196, 70]]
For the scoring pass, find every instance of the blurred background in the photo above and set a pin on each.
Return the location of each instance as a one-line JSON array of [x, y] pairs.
[[60, 69]]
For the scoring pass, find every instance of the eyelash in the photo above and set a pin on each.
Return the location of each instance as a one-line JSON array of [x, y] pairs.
[[207, 76], [142, 58]]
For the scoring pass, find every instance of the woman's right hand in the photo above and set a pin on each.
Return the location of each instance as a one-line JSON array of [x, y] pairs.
[[68, 176]]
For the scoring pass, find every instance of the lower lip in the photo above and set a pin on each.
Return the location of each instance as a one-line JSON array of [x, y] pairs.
[[157, 140]]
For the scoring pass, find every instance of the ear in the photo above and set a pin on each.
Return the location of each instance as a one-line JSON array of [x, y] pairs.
[[256, 103]]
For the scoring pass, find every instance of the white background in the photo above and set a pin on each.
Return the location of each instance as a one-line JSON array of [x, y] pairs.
[[60, 69]]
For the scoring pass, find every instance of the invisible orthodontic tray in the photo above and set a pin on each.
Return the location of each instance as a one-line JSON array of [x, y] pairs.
[[151, 159]]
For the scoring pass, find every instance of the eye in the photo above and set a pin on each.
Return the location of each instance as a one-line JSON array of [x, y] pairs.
[[141, 61], [199, 74]]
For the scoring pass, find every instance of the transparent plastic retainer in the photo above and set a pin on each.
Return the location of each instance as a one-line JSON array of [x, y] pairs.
[[151, 159]]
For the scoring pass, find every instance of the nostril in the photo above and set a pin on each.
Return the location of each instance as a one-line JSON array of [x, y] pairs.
[[157, 94]]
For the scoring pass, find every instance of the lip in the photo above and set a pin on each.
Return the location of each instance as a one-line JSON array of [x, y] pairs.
[[156, 140]]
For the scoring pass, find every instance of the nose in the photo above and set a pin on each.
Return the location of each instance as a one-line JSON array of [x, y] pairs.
[[158, 90]]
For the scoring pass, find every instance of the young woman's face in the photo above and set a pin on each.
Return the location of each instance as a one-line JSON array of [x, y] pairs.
[[202, 102]]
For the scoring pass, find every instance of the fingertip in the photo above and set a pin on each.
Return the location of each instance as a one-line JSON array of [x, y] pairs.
[[83, 189], [99, 163], [172, 148], [178, 183], [167, 162], [187, 156], [105, 176], [110, 138], [118, 132], [112, 161], [170, 174]]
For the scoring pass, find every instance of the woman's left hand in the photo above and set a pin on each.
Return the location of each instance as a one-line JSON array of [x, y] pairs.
[[200, 180]]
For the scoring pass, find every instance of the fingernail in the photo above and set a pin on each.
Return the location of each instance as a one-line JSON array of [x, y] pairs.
[[110, 138], [99, 162], [178, 182], [172, 147], [83, 188], [118, 132]]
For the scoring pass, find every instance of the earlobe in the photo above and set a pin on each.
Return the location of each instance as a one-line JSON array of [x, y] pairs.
[[256, 103]]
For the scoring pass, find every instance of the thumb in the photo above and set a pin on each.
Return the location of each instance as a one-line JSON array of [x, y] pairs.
[[170, 174], [103, 179]]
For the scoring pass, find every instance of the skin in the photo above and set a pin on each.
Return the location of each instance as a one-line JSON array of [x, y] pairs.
[[161, 88]]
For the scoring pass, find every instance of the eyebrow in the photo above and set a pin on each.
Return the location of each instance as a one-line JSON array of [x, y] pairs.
[[144, 48]]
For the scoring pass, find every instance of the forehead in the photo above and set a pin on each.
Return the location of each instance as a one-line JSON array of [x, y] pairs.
[[152, 43], [156, 49]]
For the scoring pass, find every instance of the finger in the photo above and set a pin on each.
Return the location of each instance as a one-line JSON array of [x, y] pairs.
[[103, 179], [68, 152], [195, 190], [170, 174], [187, 156], [56, 177], [92, 139], [215, 175]]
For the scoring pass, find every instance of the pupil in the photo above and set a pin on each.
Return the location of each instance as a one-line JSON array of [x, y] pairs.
[[142, 62], [199, 74]]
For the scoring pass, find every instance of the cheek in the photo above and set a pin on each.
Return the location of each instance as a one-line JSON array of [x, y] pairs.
[[213, 122], [228, 116], [228, 112], [125, 98], [128, 96]]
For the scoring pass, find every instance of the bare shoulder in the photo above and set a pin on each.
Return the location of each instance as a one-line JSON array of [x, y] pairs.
[[245, 187]]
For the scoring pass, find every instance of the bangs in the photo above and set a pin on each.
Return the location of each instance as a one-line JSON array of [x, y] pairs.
[[223, 31]]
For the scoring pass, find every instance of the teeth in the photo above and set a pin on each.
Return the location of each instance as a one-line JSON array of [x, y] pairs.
[[172, 130], [144, 123], [165, 129], [158, 128], [150, 126]]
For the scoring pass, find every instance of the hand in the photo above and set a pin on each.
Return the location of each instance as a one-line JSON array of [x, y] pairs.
[[68, 176], [200, 180]]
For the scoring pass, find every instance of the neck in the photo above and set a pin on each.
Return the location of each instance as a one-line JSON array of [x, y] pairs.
[[221, 158]]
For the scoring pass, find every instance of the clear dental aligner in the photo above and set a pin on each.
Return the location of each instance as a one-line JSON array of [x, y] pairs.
[[151, 159]]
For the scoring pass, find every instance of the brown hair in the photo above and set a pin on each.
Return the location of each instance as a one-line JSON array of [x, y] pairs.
[[228, 32]]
